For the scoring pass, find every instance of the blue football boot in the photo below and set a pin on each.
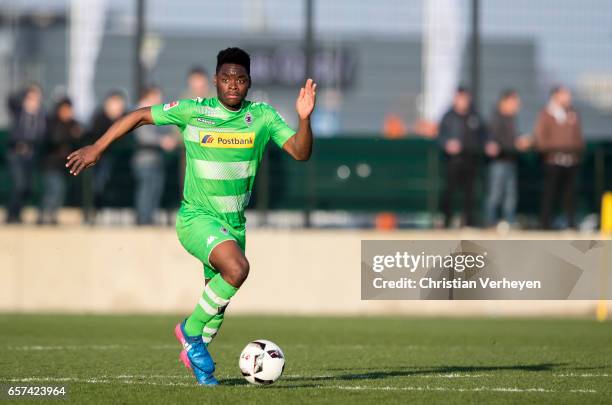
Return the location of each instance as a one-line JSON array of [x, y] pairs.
[[199, 358]]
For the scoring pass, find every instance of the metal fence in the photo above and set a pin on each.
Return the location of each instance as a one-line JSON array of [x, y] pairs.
[[373, 60]]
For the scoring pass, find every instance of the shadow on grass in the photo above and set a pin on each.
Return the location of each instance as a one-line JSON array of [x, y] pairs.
[[374, 374], [240, 382], [415, 371]]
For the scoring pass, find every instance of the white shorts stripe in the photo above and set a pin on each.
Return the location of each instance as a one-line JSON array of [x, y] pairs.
[[214, 297], [207, 307], [206, 339], [210, 331]]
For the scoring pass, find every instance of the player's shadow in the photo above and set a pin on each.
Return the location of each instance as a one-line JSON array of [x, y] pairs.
[[415, 371], [312, 381], [233, 381], [242, 382]]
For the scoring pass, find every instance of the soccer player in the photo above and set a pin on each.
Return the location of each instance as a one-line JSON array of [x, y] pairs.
[[225, 138]]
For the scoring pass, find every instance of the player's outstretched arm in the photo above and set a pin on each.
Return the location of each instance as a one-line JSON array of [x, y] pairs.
[[299, 146], [89, 155]]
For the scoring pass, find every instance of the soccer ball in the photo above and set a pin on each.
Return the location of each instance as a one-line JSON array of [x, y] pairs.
[[262, 362]]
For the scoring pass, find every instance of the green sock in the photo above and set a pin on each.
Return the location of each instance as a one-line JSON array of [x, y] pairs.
[[216, 295], [212, 327]]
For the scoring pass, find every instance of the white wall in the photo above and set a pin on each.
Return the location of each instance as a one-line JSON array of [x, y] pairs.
[[127, 270]]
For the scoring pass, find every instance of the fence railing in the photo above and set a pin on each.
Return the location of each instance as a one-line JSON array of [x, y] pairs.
[[345, 173]]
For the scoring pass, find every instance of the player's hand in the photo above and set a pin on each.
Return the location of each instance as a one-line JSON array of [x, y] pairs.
[[306, 99], [83, 158]]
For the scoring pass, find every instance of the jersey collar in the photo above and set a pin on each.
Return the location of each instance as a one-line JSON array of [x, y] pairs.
[[220, 104]]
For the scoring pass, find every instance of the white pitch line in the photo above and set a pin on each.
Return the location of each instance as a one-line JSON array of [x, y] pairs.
[[365, 376], [122, 376], [141, 380], [452, 375], [428, 388], [90, 347], [98, 381], [355, 346], [582, 375], [307, 376], [68, 347]]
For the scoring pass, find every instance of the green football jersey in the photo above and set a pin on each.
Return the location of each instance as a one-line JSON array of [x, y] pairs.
[[223, 151]]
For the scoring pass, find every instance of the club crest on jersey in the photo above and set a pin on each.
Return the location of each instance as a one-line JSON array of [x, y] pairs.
[[248, 119], [212, 139], [170, 105]]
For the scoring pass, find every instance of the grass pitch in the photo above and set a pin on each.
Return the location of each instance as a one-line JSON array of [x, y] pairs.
[[134, 359]]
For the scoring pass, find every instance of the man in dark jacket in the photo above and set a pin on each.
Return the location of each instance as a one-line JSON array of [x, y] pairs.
[[148, 160], [63, 135], [503, 147], [113, 108], [461, 137], [27, 131]]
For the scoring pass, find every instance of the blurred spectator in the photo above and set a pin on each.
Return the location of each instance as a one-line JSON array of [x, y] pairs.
[[113, 108], [148, 160], [27, 131], [63, 135], [461, 137], [198, 83], [502, 147], [326, 117], [559, 139]]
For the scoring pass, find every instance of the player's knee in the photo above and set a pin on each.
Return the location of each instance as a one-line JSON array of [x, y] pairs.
[[237, 271]]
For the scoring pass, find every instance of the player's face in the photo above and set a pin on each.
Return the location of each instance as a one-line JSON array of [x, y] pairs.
[[233, 84]]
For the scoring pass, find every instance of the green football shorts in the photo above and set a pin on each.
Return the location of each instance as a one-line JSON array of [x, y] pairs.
[[201, 233]]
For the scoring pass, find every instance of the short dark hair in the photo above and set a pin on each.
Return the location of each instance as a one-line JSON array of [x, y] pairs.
[[463, 89], [507, 93], [236, 56], [61, 102], [145, 91], [64, 101], [32, 87], [557, 88], [115, 93], [197, 70]]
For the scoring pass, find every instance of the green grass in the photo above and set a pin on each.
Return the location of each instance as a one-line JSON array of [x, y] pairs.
[[133, 359]]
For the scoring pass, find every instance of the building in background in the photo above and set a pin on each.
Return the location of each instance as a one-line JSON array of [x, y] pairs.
[[360, 58]]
